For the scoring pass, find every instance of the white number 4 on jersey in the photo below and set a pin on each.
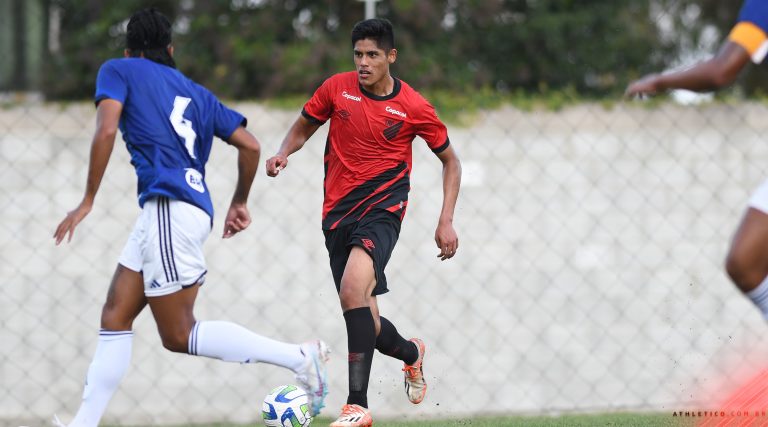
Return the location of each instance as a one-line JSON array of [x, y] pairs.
[[183, 126]]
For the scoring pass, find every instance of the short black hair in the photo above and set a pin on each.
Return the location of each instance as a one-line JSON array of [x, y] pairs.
[[378, 30], [149, 34]]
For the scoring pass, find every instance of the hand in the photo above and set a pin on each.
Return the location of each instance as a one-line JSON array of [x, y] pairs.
[[648, 85], [237, 220], [68, 225], [275, 164], [447, 240]]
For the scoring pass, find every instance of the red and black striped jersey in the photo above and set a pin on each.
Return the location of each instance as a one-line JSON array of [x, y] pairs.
[[368, 150]]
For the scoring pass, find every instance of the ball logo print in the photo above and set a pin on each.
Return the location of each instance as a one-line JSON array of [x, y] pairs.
[[195, 180], [286, 406]]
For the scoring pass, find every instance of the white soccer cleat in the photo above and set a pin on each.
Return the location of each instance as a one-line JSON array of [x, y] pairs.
[[57, 422], [415, 384], [353, 416], [313, 377]]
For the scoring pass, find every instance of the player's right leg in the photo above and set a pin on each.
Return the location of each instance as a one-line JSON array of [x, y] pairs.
[[230, 342], [355, 288], [175, 268], [125, 300], [747, 260]]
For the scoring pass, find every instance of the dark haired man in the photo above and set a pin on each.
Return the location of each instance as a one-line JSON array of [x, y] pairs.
[[747, 259], [374, 119], [168, 123]]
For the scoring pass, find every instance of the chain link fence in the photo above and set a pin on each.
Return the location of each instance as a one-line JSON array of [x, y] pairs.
[[589, 275]]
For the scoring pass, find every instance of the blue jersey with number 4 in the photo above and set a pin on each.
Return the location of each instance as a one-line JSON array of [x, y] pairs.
[[751, 30], [168, 124]]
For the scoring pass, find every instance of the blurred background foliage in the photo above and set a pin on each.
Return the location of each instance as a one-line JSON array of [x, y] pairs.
[[245, 49]]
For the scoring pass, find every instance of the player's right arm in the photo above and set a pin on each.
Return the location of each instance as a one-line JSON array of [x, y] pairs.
[[298, 134], [315, 113], [712, 74], [747, 40], [107, 119]]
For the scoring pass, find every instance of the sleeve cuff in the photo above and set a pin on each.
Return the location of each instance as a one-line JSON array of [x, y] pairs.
[[102, 97], [442, 148], [311, 118], [752, 38]]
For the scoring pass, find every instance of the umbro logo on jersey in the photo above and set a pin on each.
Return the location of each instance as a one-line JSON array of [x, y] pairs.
[[344, 114], [393, 111], [351, 97], [392, 130], [368, 243]]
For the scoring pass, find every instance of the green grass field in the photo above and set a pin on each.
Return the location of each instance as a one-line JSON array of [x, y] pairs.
[[618, 419]]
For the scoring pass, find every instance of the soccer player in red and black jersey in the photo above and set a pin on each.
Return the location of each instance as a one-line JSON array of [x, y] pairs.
[[374, 120]]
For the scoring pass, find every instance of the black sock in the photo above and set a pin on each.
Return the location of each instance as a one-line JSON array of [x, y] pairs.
[[361, 340], [390, 342]]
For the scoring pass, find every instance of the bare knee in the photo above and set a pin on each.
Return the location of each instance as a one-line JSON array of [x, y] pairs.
[[114, 319], [351, 296], [125, 300], [744, 274], [175, 341]]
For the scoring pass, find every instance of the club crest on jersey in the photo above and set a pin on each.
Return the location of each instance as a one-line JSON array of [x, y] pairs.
[[389, 109], [351, 97], [195, 180], [392, 129]]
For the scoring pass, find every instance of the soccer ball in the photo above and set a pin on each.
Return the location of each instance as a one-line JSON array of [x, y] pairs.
[[286, 406]]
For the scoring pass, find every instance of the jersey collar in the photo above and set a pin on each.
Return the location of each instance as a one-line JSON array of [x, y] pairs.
[[395, 91]]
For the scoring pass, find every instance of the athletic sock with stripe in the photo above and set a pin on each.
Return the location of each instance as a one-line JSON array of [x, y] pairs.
[[109, 363]]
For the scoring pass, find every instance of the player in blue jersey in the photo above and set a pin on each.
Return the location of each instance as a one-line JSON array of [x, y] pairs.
[[747, 259], [168, 123]]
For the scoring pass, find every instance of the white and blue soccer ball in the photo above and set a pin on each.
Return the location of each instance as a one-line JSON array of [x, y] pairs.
[[286, 406]]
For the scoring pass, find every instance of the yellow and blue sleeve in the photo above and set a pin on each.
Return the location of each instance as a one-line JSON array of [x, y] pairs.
[[752, 39], [750, 31]]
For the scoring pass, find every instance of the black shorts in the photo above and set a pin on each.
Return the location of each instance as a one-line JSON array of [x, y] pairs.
[[376, 233]]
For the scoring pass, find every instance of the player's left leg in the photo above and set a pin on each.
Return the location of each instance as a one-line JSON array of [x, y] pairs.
[[357, 284], [125, 300], [411, 352], [389, 342], [747, 260]]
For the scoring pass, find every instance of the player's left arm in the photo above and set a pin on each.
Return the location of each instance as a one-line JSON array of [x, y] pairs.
[[445, 235], [248, 151], [107, 119]]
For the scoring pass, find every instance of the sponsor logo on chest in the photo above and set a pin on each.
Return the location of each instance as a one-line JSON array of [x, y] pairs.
[[351, 97], [395, 112]]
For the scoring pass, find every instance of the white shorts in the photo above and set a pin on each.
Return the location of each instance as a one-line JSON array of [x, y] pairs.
[[166, 246], [759, 198]]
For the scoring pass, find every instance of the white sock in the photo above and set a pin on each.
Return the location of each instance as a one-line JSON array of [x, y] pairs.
[[231, 342], [111, 360], [759, 297]]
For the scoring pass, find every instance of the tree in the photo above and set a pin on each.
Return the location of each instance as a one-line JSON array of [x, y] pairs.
[[264, 48]]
